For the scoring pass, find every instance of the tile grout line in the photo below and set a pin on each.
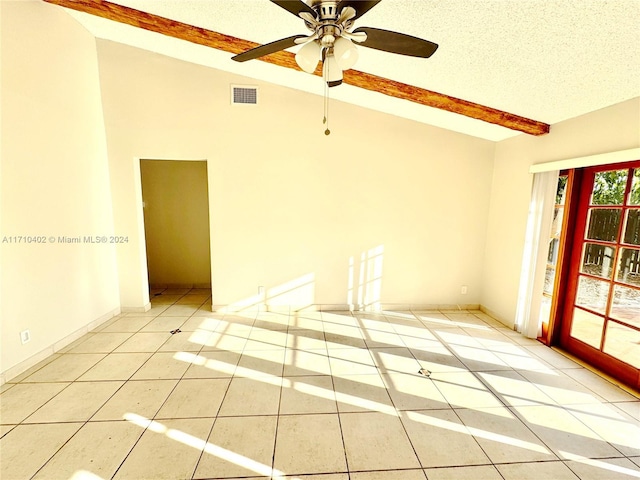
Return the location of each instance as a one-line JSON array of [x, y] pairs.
[[275, 437], [84, 423], [475, 374], [504, 405], [159, 408], [399, 412], [217, 416], [335, 397], [215, 419]]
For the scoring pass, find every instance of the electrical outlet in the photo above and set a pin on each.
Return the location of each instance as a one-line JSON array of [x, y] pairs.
[[463, 290], [25, 336]]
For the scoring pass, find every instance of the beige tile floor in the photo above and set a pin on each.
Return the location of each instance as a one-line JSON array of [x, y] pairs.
[[313, 395]]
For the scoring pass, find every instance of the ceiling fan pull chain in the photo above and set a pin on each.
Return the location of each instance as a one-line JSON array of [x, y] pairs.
[[325, 121]]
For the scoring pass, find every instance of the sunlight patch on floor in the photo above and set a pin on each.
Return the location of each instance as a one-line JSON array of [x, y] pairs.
[[198, 444], [600, 464]]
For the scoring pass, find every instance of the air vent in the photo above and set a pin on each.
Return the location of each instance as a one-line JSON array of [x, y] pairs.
[[244, 95]]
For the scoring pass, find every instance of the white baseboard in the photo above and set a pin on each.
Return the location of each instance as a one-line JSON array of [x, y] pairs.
[[493, 314], [42, 355], [345, 307], [157, 286]]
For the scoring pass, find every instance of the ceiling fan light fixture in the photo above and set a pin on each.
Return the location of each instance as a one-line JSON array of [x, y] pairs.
[[308, 56], [345, 52]]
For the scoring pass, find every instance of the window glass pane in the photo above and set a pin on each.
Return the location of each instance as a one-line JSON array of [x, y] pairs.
[[562, 189], [629, 266], [592, 294], [556, 226], [552, 257], [622, 342], [552, 260], [603, 224], [632, 227], [587, 327], [609, 187], [626, 305], [634, 198], [598, 260], [549, 279]]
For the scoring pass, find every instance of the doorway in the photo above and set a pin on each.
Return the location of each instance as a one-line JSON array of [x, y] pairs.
[[600, 317], [176, 223]]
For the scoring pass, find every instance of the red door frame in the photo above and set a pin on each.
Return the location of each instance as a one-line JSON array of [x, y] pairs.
[[581, 184]]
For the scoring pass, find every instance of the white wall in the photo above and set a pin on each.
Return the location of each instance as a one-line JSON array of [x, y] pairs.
[[54, 183], [292, 209], [611, 129]]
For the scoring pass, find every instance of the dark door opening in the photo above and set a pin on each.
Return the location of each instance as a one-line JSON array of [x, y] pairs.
[[176, 223]]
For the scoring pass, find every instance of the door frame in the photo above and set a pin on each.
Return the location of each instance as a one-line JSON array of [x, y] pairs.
[[574, 226]]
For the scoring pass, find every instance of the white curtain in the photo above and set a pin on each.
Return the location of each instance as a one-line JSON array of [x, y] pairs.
[[530, 312]]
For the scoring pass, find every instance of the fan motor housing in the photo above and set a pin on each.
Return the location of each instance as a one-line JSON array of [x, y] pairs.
[[326, 9]]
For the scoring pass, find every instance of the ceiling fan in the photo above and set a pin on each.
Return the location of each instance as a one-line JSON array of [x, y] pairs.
[[332, 40], [325, 15]]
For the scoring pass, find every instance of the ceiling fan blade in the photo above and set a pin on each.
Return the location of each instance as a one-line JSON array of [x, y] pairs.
[[347, 13], [268, 48], [295, 6], [360, 6], [395, 42], [303, 40]]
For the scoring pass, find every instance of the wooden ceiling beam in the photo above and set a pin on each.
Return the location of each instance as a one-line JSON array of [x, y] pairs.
[[444, 102], [229, 44]]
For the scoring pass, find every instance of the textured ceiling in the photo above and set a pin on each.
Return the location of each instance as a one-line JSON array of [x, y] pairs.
[[548, 60]]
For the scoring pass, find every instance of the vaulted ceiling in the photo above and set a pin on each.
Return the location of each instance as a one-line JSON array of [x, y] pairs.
[[503, 67]]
